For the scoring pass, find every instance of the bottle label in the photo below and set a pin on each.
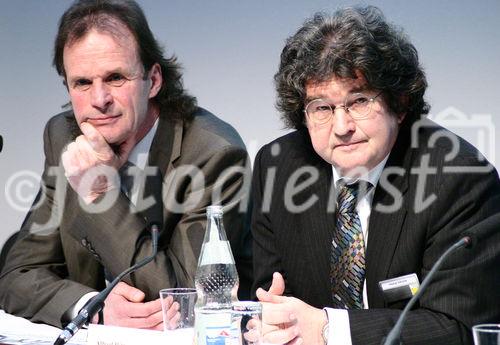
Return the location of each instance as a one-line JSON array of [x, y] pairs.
[[218, 336], [214, 329]]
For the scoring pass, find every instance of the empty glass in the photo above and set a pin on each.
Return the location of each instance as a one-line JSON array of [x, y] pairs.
[[486, 334], [186, 297]]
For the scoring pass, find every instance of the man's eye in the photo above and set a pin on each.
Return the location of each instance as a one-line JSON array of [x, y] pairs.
[[360, 100], [322, 108], [82, 84], [116, 79]]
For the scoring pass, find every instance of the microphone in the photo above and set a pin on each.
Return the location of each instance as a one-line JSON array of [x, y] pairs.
[[485, 228], [393, 336], [96, 303], [469, 239]]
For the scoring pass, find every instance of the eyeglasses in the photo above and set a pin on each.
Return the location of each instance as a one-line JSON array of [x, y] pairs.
[[113, 80], [357, 105]]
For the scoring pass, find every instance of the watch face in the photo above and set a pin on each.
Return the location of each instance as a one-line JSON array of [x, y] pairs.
[[324, 333]]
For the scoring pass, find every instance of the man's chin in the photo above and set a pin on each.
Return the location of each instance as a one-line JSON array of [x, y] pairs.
[[352, 168], [113, 141]]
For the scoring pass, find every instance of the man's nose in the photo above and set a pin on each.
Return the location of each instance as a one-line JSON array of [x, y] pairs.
[[342, 122], [100, 94]]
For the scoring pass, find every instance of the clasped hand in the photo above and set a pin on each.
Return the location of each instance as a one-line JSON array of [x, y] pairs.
[[288, 320]]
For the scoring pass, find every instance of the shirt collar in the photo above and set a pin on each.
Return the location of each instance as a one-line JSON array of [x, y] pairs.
[[139, 154], [371, 176]]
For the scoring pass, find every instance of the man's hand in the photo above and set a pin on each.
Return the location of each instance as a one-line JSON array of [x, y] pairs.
[[288, 320], [173, 314], [89, 159], [125, 307]]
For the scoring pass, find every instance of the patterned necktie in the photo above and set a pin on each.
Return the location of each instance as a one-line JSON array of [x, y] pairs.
[[347, 270]]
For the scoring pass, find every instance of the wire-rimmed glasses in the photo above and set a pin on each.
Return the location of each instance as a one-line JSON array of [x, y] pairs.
[[357, 105]]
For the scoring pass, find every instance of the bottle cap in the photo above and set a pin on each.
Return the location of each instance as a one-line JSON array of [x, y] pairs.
[[215, 210]]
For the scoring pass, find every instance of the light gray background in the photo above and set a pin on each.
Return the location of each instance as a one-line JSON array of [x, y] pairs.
[[230, 52]]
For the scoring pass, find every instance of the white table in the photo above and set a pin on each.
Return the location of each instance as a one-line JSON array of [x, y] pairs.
[[16, 330]]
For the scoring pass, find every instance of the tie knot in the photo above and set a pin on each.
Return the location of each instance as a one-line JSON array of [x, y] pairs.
[[349, 194], [348, 197]]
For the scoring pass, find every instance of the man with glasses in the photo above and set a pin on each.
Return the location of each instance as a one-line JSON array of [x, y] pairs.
[[353, 208], [130, 121]]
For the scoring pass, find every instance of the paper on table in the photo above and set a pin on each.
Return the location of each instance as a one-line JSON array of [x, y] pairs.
[[16, 330]]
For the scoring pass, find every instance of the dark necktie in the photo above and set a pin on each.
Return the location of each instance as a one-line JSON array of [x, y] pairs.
[[147, 185], [347, 271], [127, 177]]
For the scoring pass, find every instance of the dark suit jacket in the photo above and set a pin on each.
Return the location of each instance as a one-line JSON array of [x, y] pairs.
[[61, 250], [408, 239]]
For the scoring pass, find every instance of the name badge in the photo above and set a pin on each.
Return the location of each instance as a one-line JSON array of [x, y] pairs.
[[399, 288]]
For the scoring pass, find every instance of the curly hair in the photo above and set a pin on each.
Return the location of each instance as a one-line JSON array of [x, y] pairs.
[[352, 39], [106, 16]]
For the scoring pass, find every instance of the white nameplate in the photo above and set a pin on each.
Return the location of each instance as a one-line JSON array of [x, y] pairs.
[[400, 288]]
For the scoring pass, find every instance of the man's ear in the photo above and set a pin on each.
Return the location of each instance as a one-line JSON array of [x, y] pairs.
[[401, 116], [156, 80]]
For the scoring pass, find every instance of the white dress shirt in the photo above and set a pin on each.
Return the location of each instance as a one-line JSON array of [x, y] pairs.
[[339, 331]]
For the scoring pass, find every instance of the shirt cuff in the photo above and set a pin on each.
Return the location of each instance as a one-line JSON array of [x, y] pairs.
[[339, 330], [73, 311]]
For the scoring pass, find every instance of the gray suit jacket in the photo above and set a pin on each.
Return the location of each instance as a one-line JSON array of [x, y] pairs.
[[408, 239], [62, 249]]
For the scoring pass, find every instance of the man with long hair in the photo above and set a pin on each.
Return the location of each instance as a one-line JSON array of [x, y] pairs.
[[130, 120]]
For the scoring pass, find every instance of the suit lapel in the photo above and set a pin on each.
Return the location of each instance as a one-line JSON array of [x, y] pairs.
[[385, 226], [165, 149], [166, 145], [318, 221]]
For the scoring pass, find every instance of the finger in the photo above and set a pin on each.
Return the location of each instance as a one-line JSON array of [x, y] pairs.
[[149, 322], [278, 284], [281, 336], [158, 327], [167, 302], [70, 160], [252, 336], [265, 296], [154, 320], [96, 141], [174, 321], [130, 293], [253, 324], [173, 310], [296, 341], [85, 151], [277, 314], [144, 309]]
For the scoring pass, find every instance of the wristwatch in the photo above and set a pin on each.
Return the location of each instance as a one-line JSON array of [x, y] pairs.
[[324, 332]]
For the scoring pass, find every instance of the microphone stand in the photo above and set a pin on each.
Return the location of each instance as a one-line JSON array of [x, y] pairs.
[[393, 336], [96, 303]]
